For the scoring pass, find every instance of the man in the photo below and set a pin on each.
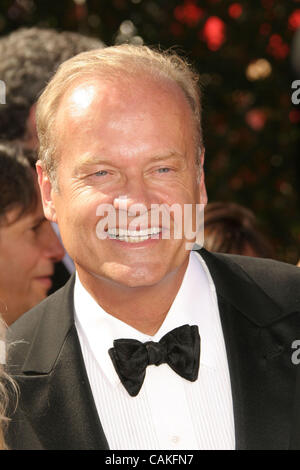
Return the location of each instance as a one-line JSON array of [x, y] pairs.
[[28, 245], [28, 59], [112, 359]]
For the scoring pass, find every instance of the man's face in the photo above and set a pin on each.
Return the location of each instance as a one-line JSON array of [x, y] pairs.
[[28, 250], [132, 139]]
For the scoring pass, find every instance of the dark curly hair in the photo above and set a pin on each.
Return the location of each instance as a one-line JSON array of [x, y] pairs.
[[28, 59], [18, 188]]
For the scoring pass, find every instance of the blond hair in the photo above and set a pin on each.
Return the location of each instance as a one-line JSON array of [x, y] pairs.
[[8, 389], [124, 61]]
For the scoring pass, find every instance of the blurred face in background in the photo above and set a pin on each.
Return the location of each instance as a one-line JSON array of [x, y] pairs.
[[28, 250]]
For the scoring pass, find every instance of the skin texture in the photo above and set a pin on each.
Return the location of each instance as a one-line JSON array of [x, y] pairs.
[[28, 250], [132, 138]]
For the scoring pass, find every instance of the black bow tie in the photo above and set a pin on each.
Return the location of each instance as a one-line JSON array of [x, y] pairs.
[[180, 349]]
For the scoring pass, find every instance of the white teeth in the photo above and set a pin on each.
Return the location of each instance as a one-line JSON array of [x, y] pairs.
[[133, 239], [133, 236]]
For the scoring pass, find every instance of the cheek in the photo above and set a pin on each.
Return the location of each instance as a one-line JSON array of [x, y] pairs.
[[77, 221], [29, 258], [183, 193], [76, 205], [179, 189], [19, 267]]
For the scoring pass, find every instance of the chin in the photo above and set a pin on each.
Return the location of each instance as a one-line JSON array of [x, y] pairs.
[[137, 282], [38, 298], [139, 277]]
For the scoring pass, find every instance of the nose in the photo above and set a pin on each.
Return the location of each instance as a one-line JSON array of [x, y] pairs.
[[50, 244], [135, 197]]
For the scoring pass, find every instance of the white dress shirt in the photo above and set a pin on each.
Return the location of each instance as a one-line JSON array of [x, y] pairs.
[[169, 412]]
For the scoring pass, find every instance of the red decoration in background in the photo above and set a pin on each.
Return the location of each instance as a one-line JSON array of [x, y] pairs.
[[248, 176], [176, 29], [256, 118], [214, 33], [188, 13], [268, 4], [235, 10], [277, 48], [265, 29], [294, 116], [294, 20], [275, 40], [80, 12]]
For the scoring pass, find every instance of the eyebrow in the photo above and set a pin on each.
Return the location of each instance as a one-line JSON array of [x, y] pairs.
[[89, 162], [37, 220], [166, 156], [92, 160]]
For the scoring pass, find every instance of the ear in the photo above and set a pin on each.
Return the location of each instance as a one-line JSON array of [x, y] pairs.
[[46, 192], [202, 201], [202, 187]]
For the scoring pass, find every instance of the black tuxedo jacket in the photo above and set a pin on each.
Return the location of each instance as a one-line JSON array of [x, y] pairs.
[[259, 303], [60, 277]]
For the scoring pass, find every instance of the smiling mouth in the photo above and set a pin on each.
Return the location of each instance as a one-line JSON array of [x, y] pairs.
[[133, 236]]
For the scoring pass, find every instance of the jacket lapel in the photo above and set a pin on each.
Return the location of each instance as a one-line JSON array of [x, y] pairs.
[[55, 391], [258, 341]]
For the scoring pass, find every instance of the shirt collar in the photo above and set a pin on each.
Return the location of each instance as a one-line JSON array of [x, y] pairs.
[[195, 304]]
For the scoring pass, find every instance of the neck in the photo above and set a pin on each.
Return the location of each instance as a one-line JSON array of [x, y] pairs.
[[9, 312], [143, 308]]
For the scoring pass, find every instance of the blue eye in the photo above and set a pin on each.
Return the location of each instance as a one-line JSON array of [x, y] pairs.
[[101, 173], [164, 170]]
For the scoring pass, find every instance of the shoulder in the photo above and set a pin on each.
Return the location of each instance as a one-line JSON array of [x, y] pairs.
[[244, 277], [264, 271], [30, 319], [52, 314]]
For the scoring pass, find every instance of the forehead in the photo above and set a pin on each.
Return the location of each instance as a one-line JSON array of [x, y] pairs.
[[126, 121], [94, 97]]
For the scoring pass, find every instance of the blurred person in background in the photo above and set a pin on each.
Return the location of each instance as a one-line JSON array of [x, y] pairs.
[[232, 228], [8, 388], [3, 392], [28, 59], [28, 245]]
